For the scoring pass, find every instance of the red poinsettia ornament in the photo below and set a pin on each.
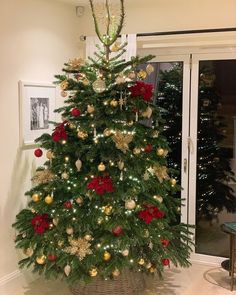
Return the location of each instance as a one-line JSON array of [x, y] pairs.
[[59, 132], [101, 185], [142, 89], [149, 213], [40, 223]]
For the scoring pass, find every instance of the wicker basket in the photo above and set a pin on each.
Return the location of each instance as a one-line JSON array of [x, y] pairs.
[[128, 283]]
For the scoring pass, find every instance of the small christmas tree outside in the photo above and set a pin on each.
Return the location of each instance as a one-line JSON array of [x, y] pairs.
[[104, 201]]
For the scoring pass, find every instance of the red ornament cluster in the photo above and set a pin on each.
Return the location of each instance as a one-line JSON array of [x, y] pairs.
[[142, 89], [59, 133], [149, 213], [101, 185], [75, 112], [40, 223]]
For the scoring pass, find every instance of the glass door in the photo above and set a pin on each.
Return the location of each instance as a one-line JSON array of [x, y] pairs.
[[212, 186]]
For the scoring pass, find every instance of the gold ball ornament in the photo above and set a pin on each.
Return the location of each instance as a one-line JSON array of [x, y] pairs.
[[90, 109], [141, 261], [82, 134], [158, 198], [65, 175], [142, 74], [114, 103], [88, 237], [41, 259], [50, 155], [99, 85], [101, 167], [93, 272], [70, 230], [35, 197], [108, 210], [29, 252], [160, 152], [152, 269], [48, 199], [136, 151], [173, 181], [116, 273], [130, 204], [106, 256], [79, 200], [125, 252]]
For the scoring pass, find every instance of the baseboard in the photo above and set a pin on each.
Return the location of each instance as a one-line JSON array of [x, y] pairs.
[[11, 282]]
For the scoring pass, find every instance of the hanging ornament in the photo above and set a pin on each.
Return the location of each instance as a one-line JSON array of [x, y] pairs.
[[130, 123], [68, 205], [78, 165], [173, 181], [41, 259], [67, 270], [161, 173], [148, 148], [64, 85], [136, 151], [107, 132], [142, 74], [99, 85], [165, 262], [162, 152], [101, 167], [82, 134], [148, 265], [50, 155], [85, 82], [122, 140], [141, 261], [90, 109], [155, 134], [38, 153], [93, 272], [55, 221], [147, 113], [48, 199], [35, 197], [99, 220], [106, 256], [63, 94], [125, 252], [114, 103], [117, 231], [88, 237], [79, 200], [158, 198], [70, 230], [130, 204], [65, 175], [121, 165], [152, 269], [72, 125], [149, 69], [52, 257], [108, 209], [146, 176], [132, 75], [116, 273], [28, 252], [120, 80], [75, 112]]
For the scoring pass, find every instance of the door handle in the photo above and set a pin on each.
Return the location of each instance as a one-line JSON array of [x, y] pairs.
[[185, 165]]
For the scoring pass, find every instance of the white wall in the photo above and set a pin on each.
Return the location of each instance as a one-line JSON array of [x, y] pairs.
[[37, 37]]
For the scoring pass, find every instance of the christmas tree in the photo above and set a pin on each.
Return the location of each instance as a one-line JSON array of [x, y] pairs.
[[104, 200], [213, 168]]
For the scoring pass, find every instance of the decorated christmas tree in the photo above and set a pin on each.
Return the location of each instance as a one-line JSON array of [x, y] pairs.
[[213, 168], [104, 200]]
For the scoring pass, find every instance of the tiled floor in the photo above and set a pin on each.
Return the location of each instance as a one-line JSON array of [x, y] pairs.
[[198, 279]]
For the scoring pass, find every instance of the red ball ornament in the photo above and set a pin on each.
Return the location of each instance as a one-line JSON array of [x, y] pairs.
[[165, 243], [68, 205], [52, 257], [148, 148], [75, 112], [165, 262], [38, 153], [117, 231]]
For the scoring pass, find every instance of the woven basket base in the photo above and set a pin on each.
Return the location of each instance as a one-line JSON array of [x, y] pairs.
[[128, 283]]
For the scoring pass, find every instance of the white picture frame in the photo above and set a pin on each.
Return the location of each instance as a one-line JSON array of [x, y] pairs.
[[37, 104]]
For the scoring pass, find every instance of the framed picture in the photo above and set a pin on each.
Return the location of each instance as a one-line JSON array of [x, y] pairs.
[[37, 103]]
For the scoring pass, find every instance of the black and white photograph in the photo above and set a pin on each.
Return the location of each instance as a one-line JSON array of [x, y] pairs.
[[39, 113], [37, 102]]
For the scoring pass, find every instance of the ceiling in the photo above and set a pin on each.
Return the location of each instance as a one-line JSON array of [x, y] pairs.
[[83, 2]]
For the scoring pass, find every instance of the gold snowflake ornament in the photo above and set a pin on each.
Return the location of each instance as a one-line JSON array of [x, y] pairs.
[[79, 247]]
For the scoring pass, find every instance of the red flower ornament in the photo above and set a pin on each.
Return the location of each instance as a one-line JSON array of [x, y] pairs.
[[149, 213], [101, 185], [40, 223], [142, 89], [59, 132]]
